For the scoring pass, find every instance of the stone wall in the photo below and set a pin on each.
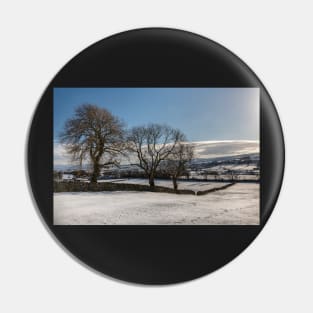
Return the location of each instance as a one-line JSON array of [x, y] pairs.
[[204, 192], [74, 186]]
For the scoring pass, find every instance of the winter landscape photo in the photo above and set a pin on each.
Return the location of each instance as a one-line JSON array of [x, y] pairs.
[[156, 156]]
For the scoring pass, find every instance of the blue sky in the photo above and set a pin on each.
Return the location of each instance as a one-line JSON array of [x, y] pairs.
[[201, 113]]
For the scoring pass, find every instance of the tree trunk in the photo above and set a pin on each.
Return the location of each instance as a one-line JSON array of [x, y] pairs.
[[151, 181], [175, 183], [96, 172]]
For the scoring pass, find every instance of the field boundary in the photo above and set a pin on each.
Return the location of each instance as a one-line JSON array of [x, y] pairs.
[[74, 186], [109, 186], [205, 192]]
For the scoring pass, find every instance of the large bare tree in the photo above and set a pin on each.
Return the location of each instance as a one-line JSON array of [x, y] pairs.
[[176, 163], [93, 134], [153, 144]]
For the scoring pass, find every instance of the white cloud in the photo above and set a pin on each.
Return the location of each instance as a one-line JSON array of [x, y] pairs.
[[214, 149], [60, 157]]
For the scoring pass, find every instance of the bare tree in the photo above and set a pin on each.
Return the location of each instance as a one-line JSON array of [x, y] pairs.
[[93, 134], [176, 163], [153, 144]]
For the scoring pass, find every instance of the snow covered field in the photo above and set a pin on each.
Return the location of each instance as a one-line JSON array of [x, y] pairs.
[[236, 205], [190, 185]]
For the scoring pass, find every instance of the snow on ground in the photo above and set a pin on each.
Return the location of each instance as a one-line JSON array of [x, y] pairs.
[[191, 185], [236, 205]]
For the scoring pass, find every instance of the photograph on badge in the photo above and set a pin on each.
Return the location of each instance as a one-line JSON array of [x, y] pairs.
[[156, 156]]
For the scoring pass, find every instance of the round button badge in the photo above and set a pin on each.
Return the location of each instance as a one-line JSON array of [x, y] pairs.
[[155, 156]]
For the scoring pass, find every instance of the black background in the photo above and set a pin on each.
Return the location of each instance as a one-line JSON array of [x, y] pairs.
[[154, 58]]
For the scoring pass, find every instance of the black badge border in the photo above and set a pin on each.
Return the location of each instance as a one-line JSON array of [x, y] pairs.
[[155, 57]]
